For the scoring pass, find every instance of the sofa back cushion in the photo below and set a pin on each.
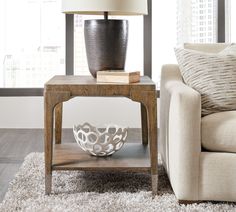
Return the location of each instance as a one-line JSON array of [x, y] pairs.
[[213, 75]]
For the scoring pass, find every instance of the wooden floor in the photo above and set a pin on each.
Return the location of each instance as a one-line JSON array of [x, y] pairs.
[[15, 144]]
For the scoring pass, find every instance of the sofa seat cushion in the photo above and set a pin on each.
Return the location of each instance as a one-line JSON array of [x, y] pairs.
[[219, 132]]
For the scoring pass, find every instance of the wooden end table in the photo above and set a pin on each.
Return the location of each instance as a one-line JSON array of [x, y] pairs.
[[132, 157]]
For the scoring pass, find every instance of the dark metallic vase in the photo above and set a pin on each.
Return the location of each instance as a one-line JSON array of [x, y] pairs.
[[106, 44]]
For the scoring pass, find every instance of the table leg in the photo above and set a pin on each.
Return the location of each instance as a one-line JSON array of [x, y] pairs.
[[144, 125], [58, 122], [149, 101], [152, 129], [48, 141], [51, 99]]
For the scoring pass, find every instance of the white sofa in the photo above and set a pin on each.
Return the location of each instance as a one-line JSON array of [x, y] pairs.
[[196, 173]]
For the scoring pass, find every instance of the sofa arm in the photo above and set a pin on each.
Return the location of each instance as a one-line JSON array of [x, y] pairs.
[[180, 138]]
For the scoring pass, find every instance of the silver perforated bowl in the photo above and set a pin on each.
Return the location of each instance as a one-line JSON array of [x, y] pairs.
[[100, 142]]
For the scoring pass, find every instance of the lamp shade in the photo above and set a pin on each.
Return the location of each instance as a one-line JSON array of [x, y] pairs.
[[98, 7]]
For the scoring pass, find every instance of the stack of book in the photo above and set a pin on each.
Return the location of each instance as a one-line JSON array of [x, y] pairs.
[[118, 76]]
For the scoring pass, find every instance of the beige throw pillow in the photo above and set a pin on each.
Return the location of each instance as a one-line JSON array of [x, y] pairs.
[[212, 75]]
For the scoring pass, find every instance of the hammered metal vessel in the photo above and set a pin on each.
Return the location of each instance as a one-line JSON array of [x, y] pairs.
[[106, 44]]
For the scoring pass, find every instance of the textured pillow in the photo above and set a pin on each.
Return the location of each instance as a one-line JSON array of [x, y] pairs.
[[212, 75]]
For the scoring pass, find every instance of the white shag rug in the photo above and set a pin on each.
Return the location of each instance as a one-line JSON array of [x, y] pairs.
[[91, 191]]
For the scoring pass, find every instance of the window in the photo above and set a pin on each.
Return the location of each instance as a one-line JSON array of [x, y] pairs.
[[134, 56], [202, 34], [32, 42], [185, 22], [187, 18], [37, 52]]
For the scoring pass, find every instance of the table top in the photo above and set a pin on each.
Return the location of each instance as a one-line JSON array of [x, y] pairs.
[[89, 80], [88, 86]]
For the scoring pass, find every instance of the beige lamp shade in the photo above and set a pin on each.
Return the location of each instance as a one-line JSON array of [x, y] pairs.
[[98, 7]]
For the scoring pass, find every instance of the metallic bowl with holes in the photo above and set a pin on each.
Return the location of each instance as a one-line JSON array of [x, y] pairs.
[[99, 142]]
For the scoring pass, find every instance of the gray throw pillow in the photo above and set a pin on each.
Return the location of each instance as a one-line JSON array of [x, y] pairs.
[[212, 75]]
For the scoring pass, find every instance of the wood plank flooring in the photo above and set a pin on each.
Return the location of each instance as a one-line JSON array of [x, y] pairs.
[[15, 144]]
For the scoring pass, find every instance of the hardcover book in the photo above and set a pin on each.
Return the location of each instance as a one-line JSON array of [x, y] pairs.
[[118, 76]]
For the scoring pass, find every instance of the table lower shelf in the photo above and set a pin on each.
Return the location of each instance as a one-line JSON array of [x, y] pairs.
[[132, 157]]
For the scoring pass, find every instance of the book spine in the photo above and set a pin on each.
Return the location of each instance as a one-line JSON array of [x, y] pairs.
[[112, 79]]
